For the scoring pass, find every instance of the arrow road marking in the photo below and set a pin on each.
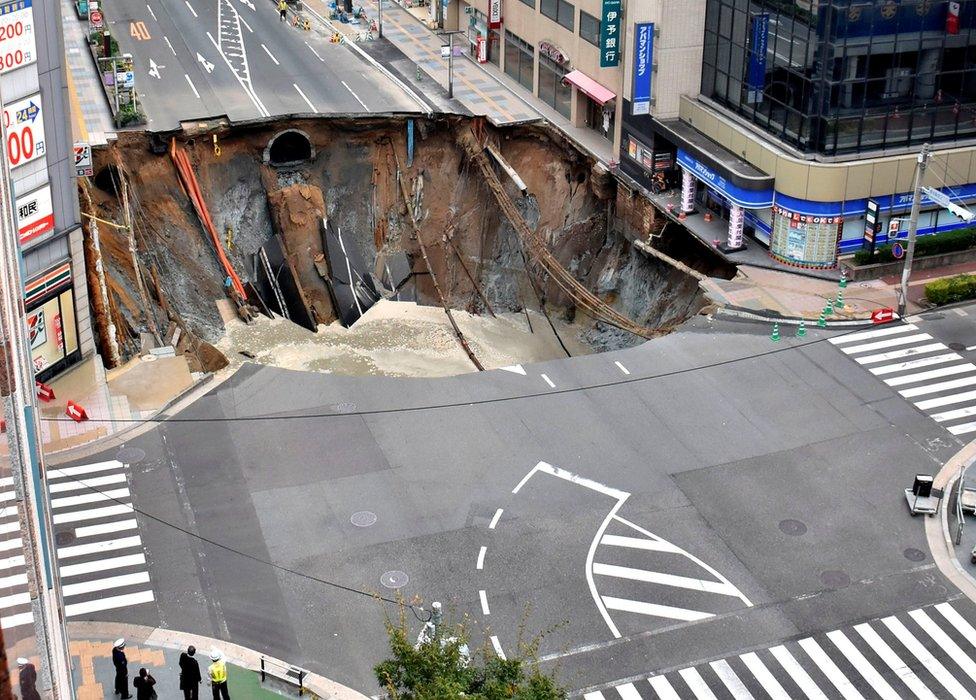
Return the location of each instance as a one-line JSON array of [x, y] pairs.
[[248, 3], [206, 64], [154, 69], [190, 8]]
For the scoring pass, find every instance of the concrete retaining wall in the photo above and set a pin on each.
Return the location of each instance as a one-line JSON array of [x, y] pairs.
[[869, 272]]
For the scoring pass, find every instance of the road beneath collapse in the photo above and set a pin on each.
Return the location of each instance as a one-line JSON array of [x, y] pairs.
[[703, 494], [208, 58]]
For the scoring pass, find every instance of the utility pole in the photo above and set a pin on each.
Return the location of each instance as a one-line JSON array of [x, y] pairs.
[[922, 162], [379, 19], [450, 58]]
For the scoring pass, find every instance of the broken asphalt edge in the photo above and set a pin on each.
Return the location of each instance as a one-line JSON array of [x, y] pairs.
[[937, 529], [234, 653]]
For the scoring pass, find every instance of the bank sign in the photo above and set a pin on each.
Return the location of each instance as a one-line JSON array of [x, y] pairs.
[[643, 68], [17, 45], [610, 33]]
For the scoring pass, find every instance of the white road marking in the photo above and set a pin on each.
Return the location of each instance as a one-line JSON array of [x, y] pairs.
[[970, 348], [494, 519], [119, 601], [548, 381], [83, 469], [11, 562], [936, 388], [663, 688], [765, 678], [945, 641], [655, 610], [899, 667], [662, 579], [497, 647], [898, 354], [99, 547], [696, 683], [87, 483], [246, 25], [960, 312], [9, 601], [799, 676], [912, 364], [89, 567], [946, 400], [862, 665], [879, 333], [957, 621], [829, 669], [151, 13], [481, 558], [627, 691], [954, 414], [7, 496], [7, 528], [15, 543], [931, 664], [890, 343], [731, 680], [547, 468], [105, 528], [621, 367], [6, 481], [640, 543], [931, 374], [307, 101], [103, 584], [354, 95], [190, 8], [166, 39], [207, 65], [595, 695], [16, 620], [93, 513], [484, 603], [962, 429], [68, 501], [192, 86], [514, 369], [15, 580], [270, 55], [312, 49]]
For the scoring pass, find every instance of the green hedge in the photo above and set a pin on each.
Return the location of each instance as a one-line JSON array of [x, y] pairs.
[[950, 289], [933, 244]]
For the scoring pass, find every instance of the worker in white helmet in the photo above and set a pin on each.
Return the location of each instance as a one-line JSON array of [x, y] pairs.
[[218, 675]]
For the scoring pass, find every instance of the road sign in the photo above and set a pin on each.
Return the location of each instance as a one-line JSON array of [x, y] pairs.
[[95, 19], [23, 126], [35, 214], [445, 51], [83, 160], [898, 250], [17, 45], [883, 315]]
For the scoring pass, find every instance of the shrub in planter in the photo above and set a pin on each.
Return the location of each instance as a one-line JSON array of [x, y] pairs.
[[950, 289], [934, 244]]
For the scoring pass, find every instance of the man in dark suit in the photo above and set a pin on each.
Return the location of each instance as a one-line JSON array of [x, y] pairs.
[[189, 674], [121, 669]]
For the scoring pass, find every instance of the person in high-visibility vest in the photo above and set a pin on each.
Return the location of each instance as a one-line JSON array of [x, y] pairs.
[[218, 675], [282, 10]]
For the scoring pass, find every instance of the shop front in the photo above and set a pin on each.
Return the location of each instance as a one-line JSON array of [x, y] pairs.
[[596, 105], [484, 42], [51, 324]]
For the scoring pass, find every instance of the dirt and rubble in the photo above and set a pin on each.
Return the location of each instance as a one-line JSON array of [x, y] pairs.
[[328, 216]]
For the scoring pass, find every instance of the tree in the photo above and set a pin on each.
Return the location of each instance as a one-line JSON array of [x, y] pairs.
[[440, 667]]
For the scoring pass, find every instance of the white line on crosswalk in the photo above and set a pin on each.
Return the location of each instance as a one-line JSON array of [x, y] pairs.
[[627, 691], [105, 528], [10, 601], [939, 387], [731, 680], [862, 665], [879, 333], [90, 483], [945, 641], [890, 343], [945, 400], [765, 678], [662, 579], [962, 428], [83, 469], [13, 526], [16, 620], [913, 364], [957, 621], [89, 567], [72, 589], [924, 656], [653, 609], [829, 669], [899, 354], [697, 684], [931, 374], [663, 688], [954, 414], [110, 603], [68, 501], [894, 662], [11, 562], [15, 543], [7, 496], [93, 513], [15, 580], [6, 481], [595, 695], [80, 550], [640, 543], [799, 676]]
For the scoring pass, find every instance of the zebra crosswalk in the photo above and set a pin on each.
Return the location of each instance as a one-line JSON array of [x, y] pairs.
[[938, 381], [15, 600], [926, 653]]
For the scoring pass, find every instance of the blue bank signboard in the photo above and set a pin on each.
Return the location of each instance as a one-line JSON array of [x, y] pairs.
[[643, 67]]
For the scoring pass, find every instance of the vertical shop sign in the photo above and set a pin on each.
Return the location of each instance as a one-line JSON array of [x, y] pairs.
[[494, 13], [643, 67], [756, 75], [610, 34]]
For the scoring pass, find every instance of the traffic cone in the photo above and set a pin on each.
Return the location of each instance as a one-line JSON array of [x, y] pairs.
[[840, 300], [775, 336], [801, 329], [829, 308], [822, 321], [843, 279]]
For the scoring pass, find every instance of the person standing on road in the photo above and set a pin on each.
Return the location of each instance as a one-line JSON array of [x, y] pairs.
[[144, 685], [218, 675], [27, 675], [121, 669], [190, 674], [282, 10]]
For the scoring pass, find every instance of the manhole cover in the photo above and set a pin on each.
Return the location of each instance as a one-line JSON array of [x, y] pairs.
[[62, 538], [394, 579], [792, 527], [363, 518], [912, 554], [345, 407], [130, 455], [835, 579], [958, 347]]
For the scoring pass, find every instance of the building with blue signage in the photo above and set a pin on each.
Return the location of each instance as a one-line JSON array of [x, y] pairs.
[[805, 114]]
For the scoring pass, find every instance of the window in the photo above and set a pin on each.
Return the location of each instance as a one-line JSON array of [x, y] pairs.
[[560, 11], [589, 28], [550, 8], [530, 3], [519, 60], [552, 91]]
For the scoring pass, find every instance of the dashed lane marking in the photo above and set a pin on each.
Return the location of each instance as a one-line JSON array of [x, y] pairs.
[[622, 368], [270, 55], [354, 95], [548, 381], [304, 97], [192, 86], [190, 8], [494, 519]]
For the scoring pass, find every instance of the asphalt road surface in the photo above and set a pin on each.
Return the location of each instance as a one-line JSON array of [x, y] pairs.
[[706, 505], [208, 58]]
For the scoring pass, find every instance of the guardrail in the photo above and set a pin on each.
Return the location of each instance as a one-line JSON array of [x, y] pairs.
[[283, 671]]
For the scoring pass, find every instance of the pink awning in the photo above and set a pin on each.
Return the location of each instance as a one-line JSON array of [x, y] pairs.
[[589, 87]]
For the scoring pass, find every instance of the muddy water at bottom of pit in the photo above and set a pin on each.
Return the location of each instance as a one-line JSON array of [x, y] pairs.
[[401, 339]]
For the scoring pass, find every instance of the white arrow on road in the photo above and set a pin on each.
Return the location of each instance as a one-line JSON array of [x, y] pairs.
[[206, 64], [249, 4], [154, 69]]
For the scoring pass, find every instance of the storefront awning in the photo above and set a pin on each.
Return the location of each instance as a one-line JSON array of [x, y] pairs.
[[589, 87]]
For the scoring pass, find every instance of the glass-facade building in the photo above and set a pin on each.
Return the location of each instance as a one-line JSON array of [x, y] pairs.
[[842, 77]]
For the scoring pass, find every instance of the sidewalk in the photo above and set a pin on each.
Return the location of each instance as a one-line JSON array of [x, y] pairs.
[[91, 119]]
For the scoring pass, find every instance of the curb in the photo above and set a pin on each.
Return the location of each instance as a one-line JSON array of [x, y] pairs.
[[937, 530], [748, 315], [234, 653]]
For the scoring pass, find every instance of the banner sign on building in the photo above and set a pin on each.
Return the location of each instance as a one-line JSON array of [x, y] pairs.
[[494, 13], [871, 222], [17, 45], [83, 160], [610, 34], [952, 18], [23, 128], [758, 44], [643, 67], [35, 214]]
